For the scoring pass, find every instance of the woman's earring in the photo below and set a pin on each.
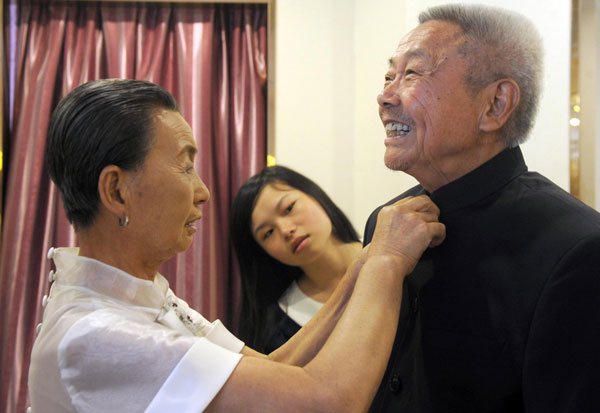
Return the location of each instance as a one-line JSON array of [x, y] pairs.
[[124, 224]]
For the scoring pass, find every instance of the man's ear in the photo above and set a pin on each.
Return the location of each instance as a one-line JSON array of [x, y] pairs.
[[111, 187], [501, 99]]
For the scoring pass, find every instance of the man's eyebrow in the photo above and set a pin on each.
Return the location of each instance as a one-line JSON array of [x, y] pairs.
[[277, 207]]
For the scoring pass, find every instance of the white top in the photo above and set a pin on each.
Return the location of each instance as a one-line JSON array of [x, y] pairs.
[[297, 305], [111, 342]]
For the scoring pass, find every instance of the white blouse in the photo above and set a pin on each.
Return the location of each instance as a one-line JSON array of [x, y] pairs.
[[297, 305], [111, 342]]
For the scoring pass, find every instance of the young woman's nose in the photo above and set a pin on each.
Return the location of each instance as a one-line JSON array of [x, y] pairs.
[[288, 231]]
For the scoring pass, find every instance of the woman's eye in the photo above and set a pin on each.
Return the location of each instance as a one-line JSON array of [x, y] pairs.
[[290, 207], [267, 234]]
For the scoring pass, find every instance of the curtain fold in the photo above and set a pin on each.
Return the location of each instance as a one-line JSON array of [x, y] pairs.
[[210, 57], [247, 112]]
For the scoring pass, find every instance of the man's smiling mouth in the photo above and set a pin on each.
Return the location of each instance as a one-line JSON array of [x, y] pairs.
[[393, 129]]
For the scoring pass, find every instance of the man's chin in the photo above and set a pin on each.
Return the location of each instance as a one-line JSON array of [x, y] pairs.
[[396, 164]]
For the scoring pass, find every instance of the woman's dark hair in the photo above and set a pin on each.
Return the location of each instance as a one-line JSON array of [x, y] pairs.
[[100, 123], [264, 278]]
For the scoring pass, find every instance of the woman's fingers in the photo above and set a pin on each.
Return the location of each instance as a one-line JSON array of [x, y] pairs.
[[406, 228], [439, 234]]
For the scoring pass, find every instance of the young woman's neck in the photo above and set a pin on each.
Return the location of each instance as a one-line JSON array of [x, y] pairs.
[[322, 275]]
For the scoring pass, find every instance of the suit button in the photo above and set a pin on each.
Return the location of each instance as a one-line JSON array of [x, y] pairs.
[[395, 384]]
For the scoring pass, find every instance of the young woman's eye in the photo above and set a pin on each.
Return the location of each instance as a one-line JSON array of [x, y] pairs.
[[290, 207], [267, 234]]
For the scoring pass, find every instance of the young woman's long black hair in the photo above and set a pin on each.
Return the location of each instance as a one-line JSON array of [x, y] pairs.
[[263, 278]]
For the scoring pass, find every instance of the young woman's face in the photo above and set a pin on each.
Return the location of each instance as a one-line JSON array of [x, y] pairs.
[[290, 225]]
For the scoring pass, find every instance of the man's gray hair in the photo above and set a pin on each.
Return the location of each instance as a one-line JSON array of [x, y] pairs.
[[499, 44]]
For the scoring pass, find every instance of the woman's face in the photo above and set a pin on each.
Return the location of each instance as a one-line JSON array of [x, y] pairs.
[[290, 225], [166, 192]]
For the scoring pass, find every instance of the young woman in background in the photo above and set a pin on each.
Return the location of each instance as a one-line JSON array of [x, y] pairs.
[[293, 245]]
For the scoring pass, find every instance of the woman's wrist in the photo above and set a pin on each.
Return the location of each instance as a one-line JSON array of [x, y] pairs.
[[399, 265]]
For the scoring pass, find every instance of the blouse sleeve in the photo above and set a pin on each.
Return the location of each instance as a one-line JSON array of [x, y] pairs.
[[118, 362]]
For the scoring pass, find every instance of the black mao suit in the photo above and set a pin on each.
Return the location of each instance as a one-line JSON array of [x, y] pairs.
[[504, 316]]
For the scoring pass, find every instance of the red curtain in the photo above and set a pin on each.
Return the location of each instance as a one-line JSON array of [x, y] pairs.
[[211, 57]]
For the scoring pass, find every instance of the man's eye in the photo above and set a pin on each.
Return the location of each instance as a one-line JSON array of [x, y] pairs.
[[409, 72], [189, 169]]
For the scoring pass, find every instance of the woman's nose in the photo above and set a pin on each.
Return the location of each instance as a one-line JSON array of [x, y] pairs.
[[289, 231], [201, 192]]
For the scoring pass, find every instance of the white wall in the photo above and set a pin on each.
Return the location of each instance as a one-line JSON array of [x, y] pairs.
[[314, 93], [331, 56]]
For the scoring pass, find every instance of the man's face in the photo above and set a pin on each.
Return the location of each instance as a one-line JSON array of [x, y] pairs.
[[430, 117]]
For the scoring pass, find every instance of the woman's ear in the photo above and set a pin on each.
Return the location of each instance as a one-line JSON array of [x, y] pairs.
[[501, 99], [111, 187]]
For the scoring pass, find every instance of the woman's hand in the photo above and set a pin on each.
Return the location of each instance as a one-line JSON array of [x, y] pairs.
[[340, 356], [405, 229]]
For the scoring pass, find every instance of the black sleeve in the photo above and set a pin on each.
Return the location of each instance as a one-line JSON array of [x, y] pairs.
[[561, 369]]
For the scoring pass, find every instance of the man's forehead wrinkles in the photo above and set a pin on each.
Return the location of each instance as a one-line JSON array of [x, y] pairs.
[[416, 52]]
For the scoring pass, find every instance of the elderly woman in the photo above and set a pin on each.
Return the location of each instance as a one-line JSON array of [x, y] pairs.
[[114, 336]]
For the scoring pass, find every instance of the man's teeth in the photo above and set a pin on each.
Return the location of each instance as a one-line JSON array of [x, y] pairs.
[[396, 129]]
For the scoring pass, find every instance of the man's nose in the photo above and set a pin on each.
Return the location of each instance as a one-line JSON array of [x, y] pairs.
[[388, 97]]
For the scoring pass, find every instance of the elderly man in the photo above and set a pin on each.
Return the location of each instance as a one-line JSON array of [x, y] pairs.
[[505, 315]]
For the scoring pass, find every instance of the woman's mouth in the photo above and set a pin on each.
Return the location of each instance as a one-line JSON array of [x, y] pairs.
[[191, 224], [299, 243]]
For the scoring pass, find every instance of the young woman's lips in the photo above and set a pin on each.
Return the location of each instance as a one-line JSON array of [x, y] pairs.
[[299, 243]]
